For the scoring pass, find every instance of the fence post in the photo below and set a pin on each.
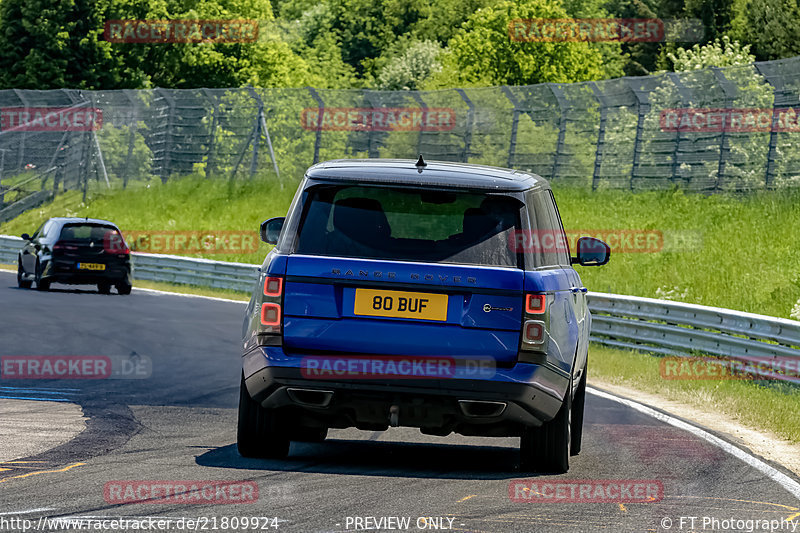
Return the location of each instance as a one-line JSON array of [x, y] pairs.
[[724, 145], [562, 126], [166, 160], [512, 144], [372, 151], [601, 134], [23, 131], [470, 123], [642, 108], [321, 106], [132, 129], [686, 99], [213, 132], [415, 95], [778, 88]]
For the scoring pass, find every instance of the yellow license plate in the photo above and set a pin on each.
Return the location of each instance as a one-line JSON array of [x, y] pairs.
[[401, 304], [91, 266]]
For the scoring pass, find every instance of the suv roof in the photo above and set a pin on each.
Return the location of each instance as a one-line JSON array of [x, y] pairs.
[[436, 174]]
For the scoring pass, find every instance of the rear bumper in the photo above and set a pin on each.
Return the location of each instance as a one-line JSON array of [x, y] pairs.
[[65, 271], [525, 395]]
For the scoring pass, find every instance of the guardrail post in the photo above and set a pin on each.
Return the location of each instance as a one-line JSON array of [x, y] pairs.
[[318, 136], [470, 123], [512, 143]]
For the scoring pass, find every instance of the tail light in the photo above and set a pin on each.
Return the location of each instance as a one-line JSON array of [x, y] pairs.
[[113, 243], [535, 327], [271, 327]]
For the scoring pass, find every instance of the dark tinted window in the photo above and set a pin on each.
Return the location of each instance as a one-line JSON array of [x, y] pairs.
[[85, 232], [546, 244], [410, 225]]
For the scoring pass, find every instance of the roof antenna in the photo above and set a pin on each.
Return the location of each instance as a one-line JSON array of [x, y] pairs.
[[420, 164]]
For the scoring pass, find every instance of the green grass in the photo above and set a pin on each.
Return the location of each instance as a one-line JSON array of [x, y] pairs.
[[773, 407], [191, 289], [741, 252]]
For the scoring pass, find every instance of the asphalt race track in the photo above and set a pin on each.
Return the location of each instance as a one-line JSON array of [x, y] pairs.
[[179, 424]]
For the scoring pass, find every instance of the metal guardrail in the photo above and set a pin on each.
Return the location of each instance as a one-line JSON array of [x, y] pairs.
[[658, 326], [168, 268]]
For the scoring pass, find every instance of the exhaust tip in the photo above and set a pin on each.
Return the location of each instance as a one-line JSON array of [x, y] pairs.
[[310, 397], [481, 408]]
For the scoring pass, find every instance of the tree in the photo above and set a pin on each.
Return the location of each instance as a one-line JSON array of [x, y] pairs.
[[719, 53], [46, 44], [483, 53], [771, 27], [408, 71]]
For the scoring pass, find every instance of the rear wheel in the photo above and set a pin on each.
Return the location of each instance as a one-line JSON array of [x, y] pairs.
[[547, 448], [104, 287], [124, 287], [22, 283], [259, 434], [41, 284]]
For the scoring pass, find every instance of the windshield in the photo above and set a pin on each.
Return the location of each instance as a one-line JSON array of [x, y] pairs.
[[409, 225]]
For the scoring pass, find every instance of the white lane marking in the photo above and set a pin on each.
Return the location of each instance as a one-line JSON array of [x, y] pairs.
[[37, 510], [792, 486], [185, 295], [167, 293]]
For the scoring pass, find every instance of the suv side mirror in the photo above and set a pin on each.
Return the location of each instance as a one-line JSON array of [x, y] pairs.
[[592, 252], [26, 236], [271, 230]]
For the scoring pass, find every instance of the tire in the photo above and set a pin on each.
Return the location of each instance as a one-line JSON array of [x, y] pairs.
[[306, 434], [124, 287], [578, 403], [41, 285], [22, 283], [104, 287], [546, 449], [258, 433]]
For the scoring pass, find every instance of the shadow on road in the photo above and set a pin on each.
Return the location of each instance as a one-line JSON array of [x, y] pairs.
[[370, 458]]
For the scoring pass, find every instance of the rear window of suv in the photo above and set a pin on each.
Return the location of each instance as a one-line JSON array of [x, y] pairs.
[[409, 225]]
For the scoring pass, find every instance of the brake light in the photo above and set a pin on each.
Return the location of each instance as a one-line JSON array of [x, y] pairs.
[[270, 314], [533, 332], [59, 247], [273, 286], [536, 304], [113, 243], [271, 301]]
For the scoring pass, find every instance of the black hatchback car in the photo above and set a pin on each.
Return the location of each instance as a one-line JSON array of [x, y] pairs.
[[75, 251]]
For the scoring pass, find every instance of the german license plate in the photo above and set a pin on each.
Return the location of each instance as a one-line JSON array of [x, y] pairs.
[[401, 304], [91, 266]]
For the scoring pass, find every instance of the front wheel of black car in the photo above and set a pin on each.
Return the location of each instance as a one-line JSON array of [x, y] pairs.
[[546, 449], [259, 433], [124, 287], [22, 283], [41, 284]]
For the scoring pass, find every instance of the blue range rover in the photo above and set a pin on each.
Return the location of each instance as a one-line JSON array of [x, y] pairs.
[[432, 295]]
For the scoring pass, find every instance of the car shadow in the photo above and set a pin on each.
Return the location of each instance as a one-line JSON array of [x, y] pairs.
[[370, 458]]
